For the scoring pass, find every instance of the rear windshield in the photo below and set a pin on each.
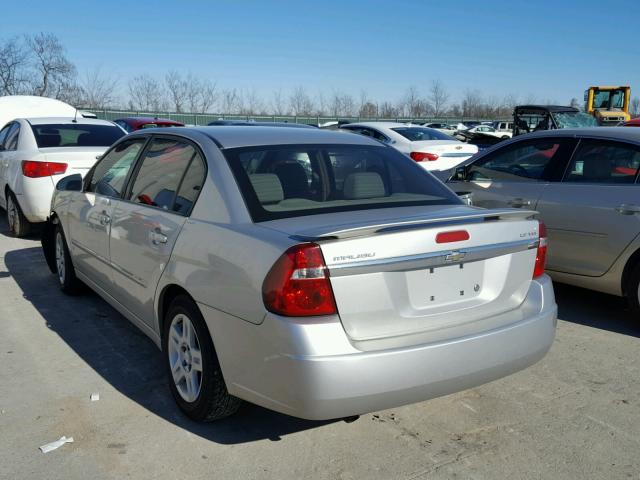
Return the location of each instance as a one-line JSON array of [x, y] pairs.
[[297, 180], [416, 134], [76, 135]]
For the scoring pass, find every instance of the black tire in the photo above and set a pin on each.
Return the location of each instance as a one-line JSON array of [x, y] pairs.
[[213, 401], [19, 226], [65, 272], [632, 290]]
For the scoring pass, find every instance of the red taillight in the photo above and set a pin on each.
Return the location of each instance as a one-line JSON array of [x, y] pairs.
[[33, 169], [452, 236], [422, 156], [541, 254], [298, 284]]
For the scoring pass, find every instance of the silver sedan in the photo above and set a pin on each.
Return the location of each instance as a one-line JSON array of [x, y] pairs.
[[314, 273], [585, 185]]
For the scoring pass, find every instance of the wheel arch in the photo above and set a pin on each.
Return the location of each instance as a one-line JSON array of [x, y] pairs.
[[48, 241], [167, 294], [634, 260]]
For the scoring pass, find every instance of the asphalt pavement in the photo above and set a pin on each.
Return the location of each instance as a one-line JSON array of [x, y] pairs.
[[574, 415]]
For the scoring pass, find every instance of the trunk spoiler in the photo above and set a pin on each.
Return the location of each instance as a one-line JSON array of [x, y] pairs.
[[407, 223]]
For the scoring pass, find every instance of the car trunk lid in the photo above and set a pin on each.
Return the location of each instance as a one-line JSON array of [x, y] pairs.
[[401, 275]]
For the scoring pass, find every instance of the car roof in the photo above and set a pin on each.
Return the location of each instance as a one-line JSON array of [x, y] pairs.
[[381, 124], [63, 120], [239, 136], [550, 108], [143, 120], [258, 124], [613, 133]]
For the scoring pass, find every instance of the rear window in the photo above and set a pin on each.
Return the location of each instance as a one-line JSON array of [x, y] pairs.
[[417, 134], [297, 180], [75, 135]]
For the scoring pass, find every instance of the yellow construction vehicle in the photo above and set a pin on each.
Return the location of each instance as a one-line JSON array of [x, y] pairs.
[[609, 105]]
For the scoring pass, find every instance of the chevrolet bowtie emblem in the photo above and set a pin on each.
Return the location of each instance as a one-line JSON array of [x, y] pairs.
[[454, 256]]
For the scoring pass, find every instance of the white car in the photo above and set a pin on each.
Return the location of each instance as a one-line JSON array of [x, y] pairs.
[[37, 152], [429, 148], [442, 128], [488, 130]]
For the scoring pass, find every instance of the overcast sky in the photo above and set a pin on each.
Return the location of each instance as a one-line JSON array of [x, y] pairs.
[[551, 50]]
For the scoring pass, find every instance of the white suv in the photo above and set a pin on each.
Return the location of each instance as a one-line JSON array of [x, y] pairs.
[[36, 152]]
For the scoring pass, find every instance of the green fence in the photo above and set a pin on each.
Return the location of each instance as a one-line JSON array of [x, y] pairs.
[[205, 118]]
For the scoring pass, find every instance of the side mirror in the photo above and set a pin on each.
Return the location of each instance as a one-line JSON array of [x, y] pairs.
[[70, 183], [460, 174]]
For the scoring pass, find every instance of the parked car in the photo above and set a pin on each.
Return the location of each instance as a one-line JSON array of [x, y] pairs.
[[36, 152], [502, 126], [634, 122], [131, 124], [442, 128], [584, 183], [251, 123], [29, 106], [536, 118], [429, 148], [316, 273], [485, 130]]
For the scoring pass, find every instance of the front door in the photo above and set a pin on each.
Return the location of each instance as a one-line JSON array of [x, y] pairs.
[[515, 175], [91, 211], [594, 213], [147, 222]]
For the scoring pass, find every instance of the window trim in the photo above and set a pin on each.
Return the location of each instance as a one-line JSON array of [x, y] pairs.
[[12, 124], [636, 180], [89, 176], [138, 164], [518, 144]]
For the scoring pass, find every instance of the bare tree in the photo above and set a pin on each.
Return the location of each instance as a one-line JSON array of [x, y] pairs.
[[341, 104], [13, 65], [389, 110], [252, 104], [230, 101], [146, 93], [369, 110], [471, 103], [98, 88], [52, 68], [413, 105], [300, 102], [177, 89], [438, 96], [278, 103], [634, 107]]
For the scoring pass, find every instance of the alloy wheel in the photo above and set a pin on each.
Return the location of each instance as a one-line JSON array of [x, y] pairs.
[[60, 257], [12, 214], [185, 357]]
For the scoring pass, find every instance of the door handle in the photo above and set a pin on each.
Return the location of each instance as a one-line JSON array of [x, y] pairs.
[[628, 209], [157, 237], [519, 202]]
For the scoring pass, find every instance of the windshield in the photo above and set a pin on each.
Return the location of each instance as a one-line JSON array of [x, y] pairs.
[[574, 120], [417, 134], [608, 99], [296, 180], [75, 135]]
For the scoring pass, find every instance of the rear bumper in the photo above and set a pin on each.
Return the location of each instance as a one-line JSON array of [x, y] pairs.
[[311, 370]]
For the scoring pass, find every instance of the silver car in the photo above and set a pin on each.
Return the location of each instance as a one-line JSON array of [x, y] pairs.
[[314, 273], [585, 185]]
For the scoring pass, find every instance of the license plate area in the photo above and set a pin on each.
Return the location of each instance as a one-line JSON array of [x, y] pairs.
[[444, 285]]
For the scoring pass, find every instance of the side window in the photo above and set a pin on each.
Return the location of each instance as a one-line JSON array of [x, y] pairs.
[[190, 186], [598, 161], [111, 171], [527, 161], [378, 136], [161, 170], [124, 125], [3, 135], [11, 142]]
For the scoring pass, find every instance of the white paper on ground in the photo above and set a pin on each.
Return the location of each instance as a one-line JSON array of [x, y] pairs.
[[57, 444], [95, 397]]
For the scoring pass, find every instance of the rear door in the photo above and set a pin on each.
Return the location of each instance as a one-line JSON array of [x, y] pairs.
[[594, 213], [146, 223], [516, 175], [90, 212], [3, 155]]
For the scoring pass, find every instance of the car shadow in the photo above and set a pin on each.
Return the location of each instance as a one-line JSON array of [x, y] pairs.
[[595, 309], [127, 359]]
